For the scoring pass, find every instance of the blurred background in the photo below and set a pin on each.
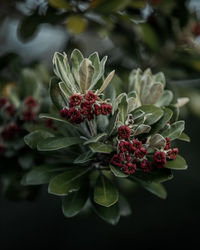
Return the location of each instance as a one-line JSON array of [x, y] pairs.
[[161, 34]]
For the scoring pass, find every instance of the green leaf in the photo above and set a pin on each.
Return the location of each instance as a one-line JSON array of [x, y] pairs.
[[41, 175], [125, 209], [67, 182], [175, 115], [55, 143], [184, 137], [112, 123], [76, 58], [111, 6], [54, 117], [100, 73], [154, 94], [99, 147], [55, 93], [153, 187], [106, 82], [150, 36], [62, 71], [165, 99], [94, 58], [123, 109], [178, 164], [33, 138], [155, 175], [105, 193], [156, 113], [156, 189], [86, 72], [60, 4], [142, 128], [109, 214], [157, 141], [73, 203], [162, 122], [117, 172], [85, 157], [174, 130], [95, 138]]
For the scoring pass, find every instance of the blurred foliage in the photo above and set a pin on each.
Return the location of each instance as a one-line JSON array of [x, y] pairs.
[[160, 34]]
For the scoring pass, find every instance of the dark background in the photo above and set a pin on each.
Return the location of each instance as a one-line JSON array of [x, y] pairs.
[[155, 223]]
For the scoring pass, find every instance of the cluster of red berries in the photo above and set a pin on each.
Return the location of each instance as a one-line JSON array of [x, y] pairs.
[[196, 29], [83, 107], [7, 106], [132, 153], [30, 105], [31, 108], [15, 118]]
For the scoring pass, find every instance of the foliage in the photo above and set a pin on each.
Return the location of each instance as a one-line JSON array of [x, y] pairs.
[[85, 162]]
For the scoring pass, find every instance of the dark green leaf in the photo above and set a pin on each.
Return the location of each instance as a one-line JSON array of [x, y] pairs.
[[54, 117], [125, 209], [41, 175], [162, 122], [184, 137], [112, 122], [55, 143], [33, 138], [74, 202], [165, 99], [179, 163], [67, 182], [109, 214], [156, 175], [117, 172], [153, 187], [156, 113], [100, 147], [95, 138], [105, 193], [174, 130], [175, 115], [55, 93], [85, 157]]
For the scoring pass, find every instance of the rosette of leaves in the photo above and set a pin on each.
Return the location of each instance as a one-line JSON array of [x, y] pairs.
[[20, 104], [94, 149]]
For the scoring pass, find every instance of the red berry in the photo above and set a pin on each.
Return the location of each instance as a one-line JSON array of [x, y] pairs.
[[75, 100], [10, 132], [140, 153], [124, 132], [136, 144], [124, 146], [97, 109], [146, 166], [173, 153], [3, 101], [91, 97], [64, 112], [196, 29], [28, 116], [159, 159], [10, 109], [117, 160], [129, 168], [75, 116], [30, 102], [168, 143]]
